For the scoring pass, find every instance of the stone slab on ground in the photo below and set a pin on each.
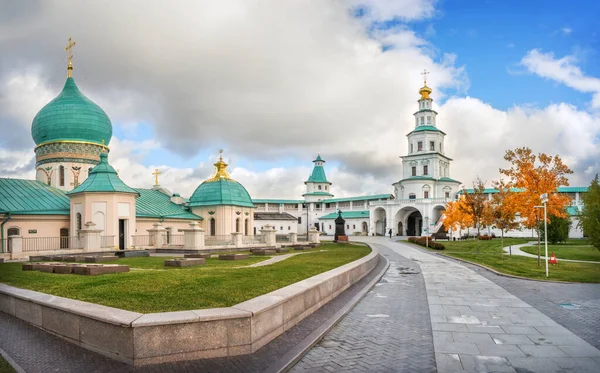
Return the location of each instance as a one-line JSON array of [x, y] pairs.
[[65, 269], [100, 259], [205, 256], [302, 248], [99, 269], [74, 258], [281, 250], [263, 251], [185, 262], [132, 254], [233, 256]]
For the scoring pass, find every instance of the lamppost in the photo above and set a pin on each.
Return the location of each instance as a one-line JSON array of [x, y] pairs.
[[544, 198]]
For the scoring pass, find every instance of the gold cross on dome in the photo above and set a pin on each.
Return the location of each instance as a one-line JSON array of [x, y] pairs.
[[425, 73], [156, 173], [69, 49]]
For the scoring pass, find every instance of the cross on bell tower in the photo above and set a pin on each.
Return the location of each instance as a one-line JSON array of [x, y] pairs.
[[69, 50]]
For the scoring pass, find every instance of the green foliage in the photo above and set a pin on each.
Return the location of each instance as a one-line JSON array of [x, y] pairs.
[[5, 367], [423, 241], [573, 249], [589, 219], [150, 287], [558, 229]]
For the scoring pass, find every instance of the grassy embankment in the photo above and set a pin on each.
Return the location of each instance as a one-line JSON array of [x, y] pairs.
[[490, 255], [151, 287]]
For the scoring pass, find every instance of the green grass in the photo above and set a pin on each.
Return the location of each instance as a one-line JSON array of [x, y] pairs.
[[573, 249], [152, 288], [5, 367], [490, 255]]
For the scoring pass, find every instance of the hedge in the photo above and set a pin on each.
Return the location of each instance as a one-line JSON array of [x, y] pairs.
[[422, 241]]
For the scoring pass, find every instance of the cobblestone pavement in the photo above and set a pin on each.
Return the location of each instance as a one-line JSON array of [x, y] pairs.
[[39, 352], [478, 326], [574, 306], [388, 331]]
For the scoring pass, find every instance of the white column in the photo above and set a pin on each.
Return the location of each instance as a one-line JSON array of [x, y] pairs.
[[156, 234], [268, 235], [313, 236], [90, 237], [16, 246], [236, 239], [293, 238], [194, 236]]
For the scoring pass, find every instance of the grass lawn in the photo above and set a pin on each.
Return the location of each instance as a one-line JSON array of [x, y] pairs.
[[490, 255], [150, 287], [573, 249], [5, 367]]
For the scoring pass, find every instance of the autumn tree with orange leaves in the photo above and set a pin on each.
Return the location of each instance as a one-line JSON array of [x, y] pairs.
[[533, 176], [455, 218], [504, 210]]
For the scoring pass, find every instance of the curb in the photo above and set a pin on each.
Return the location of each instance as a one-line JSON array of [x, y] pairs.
[[290, 359], [11, 362]]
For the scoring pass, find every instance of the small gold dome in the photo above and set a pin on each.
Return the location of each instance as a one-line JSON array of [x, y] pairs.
[[425, 91]]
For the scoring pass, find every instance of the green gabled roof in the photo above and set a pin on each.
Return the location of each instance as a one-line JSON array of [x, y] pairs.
[[347, 215], [278, 201], [155, 204], [73, 117], [222, 191], [32, 197], [103, 179], [573, 210], [318, 194], [426, 128], [360, 198], [448, 179]]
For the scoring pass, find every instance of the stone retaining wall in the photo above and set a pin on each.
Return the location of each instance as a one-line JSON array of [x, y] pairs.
[[141, 339]]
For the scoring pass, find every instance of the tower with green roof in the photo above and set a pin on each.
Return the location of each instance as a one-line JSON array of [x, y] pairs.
[[70, 132], [317, 186]]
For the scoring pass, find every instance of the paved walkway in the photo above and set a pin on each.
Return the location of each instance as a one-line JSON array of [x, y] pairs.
[[388, 331], [516, 250], [478, 326]]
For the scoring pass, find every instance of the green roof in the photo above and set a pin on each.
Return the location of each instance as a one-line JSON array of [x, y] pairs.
[[221, 192], [426, 128], [278, 201], [573, 210], [31, 197], [103, 179], [448, 179], [418, 178], [73, 117], [560, 190], [360, 198], [318, 194], [318, 173], [347, 215], [153, 203]]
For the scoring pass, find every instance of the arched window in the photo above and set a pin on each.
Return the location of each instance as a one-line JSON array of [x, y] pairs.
[[325, 187], [13, 232], [319, 187], [78, 221], [61, 175], [422, 120], [237, 224], [412, 196], [213, 227], [246, 227], [280, 228]]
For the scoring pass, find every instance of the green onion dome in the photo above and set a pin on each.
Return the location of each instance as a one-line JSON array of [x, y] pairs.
[[220, 190], [71, 116]]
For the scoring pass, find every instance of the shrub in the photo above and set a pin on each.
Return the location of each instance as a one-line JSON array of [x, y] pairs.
[[485, 238], [422, 241]]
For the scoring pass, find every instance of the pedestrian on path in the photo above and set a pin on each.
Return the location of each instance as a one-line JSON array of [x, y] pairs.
[[390, 233]]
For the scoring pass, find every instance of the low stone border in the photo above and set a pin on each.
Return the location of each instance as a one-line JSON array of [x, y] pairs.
[[141, 339]]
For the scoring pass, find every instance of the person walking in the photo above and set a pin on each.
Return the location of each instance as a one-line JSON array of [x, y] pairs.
[[390, 233]]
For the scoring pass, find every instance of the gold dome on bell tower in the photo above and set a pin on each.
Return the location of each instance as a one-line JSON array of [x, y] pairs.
[[425, 91]]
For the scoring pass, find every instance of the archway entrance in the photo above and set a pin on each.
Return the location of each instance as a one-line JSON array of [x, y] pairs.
[[365, 228], [400, 231], [380, 221], [414, 224]]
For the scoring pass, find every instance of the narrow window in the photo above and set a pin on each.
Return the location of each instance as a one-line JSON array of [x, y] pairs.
[[299, 219], [353, 226], [246, 227], [319, 187], [425, 170], [420, 146], [422, 120], [428, 120], [414, 171], [280, 228], [426, 194], [432, 146], [318, 205], [327, 205], [347, 226], [289, 228], [213, 227], [447, 194], [329, 226], [237, 224], [325, 187], [78, 220], [411, 148], [61, 176]]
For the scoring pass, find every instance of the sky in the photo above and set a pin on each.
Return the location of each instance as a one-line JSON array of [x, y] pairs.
[[274, 83]]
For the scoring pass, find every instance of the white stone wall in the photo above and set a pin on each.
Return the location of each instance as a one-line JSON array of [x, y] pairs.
[[281, 226]]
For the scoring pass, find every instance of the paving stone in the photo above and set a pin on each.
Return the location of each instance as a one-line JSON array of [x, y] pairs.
[[542, 351], [472, 337], [529, 330], [486, 364], [511, 339], [534, 364], [499, 350]]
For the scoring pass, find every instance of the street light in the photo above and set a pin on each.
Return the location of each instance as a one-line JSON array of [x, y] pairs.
[[544, 198]]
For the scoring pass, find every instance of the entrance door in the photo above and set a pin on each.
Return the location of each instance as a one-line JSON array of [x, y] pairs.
[[317, 226], [400, 230], [64, 238], [121, 234]]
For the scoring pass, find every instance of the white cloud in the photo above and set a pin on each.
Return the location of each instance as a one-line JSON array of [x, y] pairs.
[[563, 70], [566, 30]]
